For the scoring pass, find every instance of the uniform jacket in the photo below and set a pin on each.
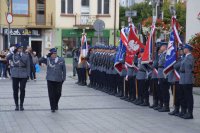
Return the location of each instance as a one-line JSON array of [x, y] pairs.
[[161, 63], [141, 74], [186, 70], [21, 65], [56, 69]]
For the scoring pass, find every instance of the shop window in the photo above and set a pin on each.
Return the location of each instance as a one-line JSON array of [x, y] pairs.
[[20, 7], [69, 43]]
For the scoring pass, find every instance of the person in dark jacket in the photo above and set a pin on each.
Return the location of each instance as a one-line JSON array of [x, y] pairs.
[[19, 74]]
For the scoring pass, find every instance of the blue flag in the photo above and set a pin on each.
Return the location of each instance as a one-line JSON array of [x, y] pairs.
[[170, 55], [120, 57]]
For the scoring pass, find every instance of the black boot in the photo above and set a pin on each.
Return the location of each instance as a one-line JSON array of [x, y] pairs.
[[17, 108], [145, 103], [165, 108], [158, 107], [182, 113], [155, 104], [21, 107], [188, 115], [176, 111]]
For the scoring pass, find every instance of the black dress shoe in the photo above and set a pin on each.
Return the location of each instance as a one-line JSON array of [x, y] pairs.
[[56, 107], [145, 104], [164, 109], [158, 107], [17, 108], [188, 116], [181, 114], [154, 105], [53, 111], [174, 112], [21, 108]]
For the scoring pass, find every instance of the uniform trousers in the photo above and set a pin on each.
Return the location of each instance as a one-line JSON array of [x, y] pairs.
[[132, 90], [19, 84], [54, 91], [164, 88], [187, 97], [154, 85]]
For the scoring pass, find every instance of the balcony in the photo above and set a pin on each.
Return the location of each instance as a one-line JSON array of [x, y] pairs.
[[41, 21], [84, 21]]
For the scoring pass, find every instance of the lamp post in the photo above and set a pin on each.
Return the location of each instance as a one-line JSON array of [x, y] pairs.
[[8, 5]]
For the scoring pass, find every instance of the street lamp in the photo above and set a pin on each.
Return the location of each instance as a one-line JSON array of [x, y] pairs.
[[8, 5]]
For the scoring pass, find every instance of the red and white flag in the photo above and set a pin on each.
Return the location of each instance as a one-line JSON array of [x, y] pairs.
[[175, 27], [132, 45], [147, 56]]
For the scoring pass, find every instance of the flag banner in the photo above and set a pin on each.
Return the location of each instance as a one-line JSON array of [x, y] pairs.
[[83, 48], [132, 45], [155, 71], [177, 75], [147, 56], [175, 26], [119, 59], [170, 55]]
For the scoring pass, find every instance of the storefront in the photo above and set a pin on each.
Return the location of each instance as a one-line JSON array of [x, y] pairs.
[[71, 39], [19, 35]]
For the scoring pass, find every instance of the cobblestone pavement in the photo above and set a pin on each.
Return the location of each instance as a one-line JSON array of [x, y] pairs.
[[84, 110]]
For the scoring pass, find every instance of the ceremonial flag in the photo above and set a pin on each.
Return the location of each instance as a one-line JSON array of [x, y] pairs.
[[132, 45], [175, 26], [147, 56], [119, 59], [170, 55], [83, 48]]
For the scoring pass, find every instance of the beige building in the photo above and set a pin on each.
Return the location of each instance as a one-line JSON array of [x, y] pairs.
[[33, 23], [43, 24], [72, 16]]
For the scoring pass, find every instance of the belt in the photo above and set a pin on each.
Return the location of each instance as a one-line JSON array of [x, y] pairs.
[[161, 67], [184, 72]]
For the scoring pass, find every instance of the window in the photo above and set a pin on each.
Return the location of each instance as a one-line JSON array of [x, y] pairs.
[[85, 2], [103, 7], [20, 7], [67, 6]]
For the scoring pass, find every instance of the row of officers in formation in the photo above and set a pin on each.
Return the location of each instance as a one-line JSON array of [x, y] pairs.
[[20, 72], [135, 84]]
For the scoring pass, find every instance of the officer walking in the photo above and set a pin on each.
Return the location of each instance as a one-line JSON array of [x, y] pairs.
[[19, 73], [56, 75]]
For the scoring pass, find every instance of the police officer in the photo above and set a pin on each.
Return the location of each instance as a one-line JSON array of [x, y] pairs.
[[56, 75], [163, 83], [175, 84], [186, 82], [141, 79], [19, 73], [154, 80]]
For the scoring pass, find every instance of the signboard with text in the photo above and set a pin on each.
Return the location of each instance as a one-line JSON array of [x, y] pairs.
[[21, 32]]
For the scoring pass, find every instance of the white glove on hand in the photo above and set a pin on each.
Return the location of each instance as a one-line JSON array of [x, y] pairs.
[[12, 50]]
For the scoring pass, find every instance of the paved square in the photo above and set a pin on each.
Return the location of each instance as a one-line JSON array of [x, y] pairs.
[[84, 110]]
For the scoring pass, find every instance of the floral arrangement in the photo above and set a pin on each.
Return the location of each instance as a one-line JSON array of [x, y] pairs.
[[195, 42]]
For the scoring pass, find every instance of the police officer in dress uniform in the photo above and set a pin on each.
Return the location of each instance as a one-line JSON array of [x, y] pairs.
[[19, 73], [163, 83], [175, 83], [186, 83], [56, 75], [141, 79], [154, 80]]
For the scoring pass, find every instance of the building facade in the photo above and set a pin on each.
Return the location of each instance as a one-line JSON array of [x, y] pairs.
[[192, 18], [43, 24], [33, 24], [72, 16]]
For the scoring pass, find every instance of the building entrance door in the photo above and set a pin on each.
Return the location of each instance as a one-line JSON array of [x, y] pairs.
[[37, 47]]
